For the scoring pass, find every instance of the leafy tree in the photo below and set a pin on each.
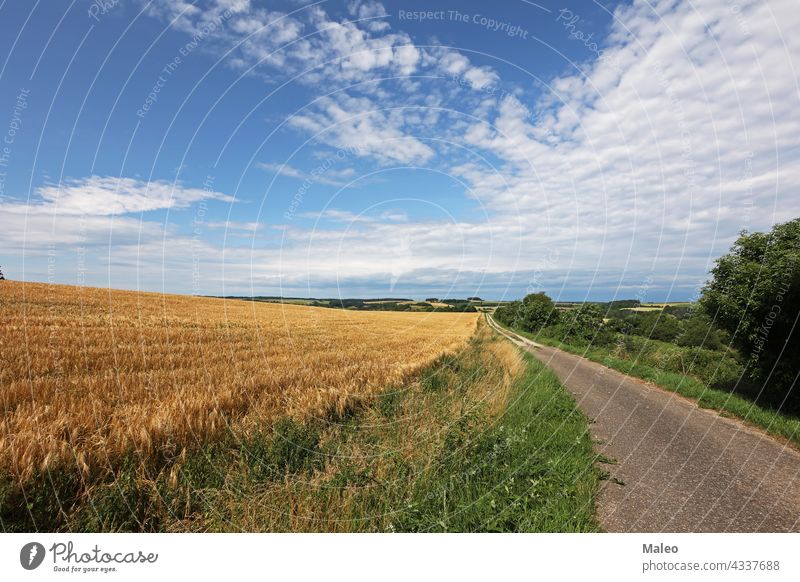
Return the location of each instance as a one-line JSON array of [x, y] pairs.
[[508, 314], [1, 275], [658, 326], [754, 293], [680, 311], [586, 323], [537, 311], [698, 332]]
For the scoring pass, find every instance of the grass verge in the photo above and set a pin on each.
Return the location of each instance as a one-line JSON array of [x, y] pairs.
[[724, 402], [488, 440]]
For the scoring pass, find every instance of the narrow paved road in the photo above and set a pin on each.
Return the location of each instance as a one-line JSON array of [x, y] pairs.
[[679, 468]]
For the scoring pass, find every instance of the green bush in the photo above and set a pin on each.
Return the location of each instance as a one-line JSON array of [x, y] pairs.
[[714, 368], [657, 325], [698, 332]]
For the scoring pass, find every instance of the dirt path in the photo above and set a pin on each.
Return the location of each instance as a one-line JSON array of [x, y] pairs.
[[679, 468]]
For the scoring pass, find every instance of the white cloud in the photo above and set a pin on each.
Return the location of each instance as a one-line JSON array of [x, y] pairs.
[[331, 176], [357, 125], [98, 222], [319, 51], [349, 217], [235, 227], [282, 170], [106, 195], [644, 169]]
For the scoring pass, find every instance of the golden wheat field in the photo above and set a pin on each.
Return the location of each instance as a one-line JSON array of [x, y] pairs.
[[88, 375]]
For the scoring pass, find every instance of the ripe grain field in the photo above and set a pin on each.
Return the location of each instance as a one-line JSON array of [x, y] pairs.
[[91, 376]]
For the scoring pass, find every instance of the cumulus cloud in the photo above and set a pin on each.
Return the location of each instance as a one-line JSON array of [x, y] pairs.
[[357, 125], [310, 47], [305, 41], [346, 216]]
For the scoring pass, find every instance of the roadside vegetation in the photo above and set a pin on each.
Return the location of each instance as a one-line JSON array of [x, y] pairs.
[[735, 351], [485, 439]]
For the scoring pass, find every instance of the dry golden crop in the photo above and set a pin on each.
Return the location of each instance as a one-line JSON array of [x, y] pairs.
[[88, 375]]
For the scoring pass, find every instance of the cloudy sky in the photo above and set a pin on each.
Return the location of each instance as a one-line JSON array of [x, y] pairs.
[[406, 149]]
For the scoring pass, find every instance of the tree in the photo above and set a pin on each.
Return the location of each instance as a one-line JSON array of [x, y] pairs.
[[699, 333], [537, 311], [754, 294], [508, 314], [658, 326], [586, 322], [1, 275]]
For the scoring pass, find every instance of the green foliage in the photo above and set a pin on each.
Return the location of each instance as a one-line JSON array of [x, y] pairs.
[[537, 314], [754, 294], [699, 332], [434, 381], [533, 313], [508, 314], [584, 321], [583, 325], [680, 311], [39, 506], [537, 311], [622, 304], [658, 326], [458, 307], [713, 368]]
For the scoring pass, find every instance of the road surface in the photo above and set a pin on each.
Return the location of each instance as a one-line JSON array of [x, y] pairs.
[[679, 468]]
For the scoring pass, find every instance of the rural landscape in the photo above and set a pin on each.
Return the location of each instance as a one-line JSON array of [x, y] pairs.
[[128, 411], [399, 267]]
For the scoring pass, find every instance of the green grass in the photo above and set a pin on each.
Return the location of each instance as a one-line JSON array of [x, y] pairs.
[[725, 402], [531, 471], [468, 446]]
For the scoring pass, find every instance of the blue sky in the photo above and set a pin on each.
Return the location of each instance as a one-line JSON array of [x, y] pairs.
[[357, 148]]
